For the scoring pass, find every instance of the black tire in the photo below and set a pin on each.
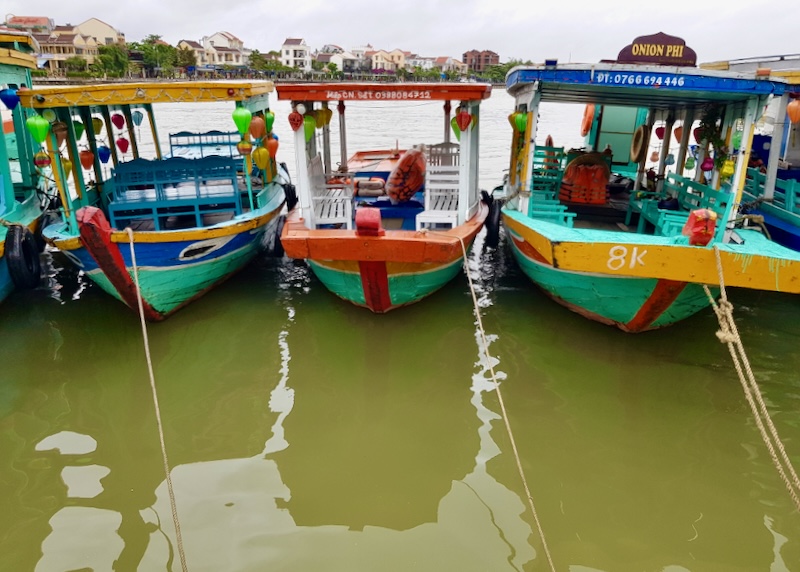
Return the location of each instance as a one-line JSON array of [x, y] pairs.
[[291, 196], [44, 222], [22, 257], [277, 245], [493, 224]]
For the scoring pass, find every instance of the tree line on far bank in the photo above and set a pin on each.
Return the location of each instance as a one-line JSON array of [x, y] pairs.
[[154, 58]]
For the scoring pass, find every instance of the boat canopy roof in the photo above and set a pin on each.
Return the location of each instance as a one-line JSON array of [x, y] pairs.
[[17, 48], [140, 93], [649, 86], [383, 91]]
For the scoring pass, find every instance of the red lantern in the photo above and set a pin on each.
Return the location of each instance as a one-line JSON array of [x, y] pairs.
[[698, 134], [118, 120], [272, 147], [41, 159], [258, 128], [87, 159], [678, 133], [463, 119], [295, 120], [244, 147], [122, 144], [793, 110], [660, 132]]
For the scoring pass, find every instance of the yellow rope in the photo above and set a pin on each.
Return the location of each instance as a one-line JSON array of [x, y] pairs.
[[729, 334], [503, 408], [173, 506]]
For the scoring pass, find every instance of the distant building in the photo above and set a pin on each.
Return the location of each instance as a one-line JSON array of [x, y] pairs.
[[414, 61], [33, 24], [296, 54], [61, 44], [225, 49], [103, 34], [478, 61], [200, 56]]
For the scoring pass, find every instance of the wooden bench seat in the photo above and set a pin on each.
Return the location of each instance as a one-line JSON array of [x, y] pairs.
[[331, 197], [188, 144]]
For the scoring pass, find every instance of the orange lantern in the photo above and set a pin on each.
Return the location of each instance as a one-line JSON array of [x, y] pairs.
[[87, 159], [258, 128], [793, 110], [272, 147], [678, 133], [60, 131]]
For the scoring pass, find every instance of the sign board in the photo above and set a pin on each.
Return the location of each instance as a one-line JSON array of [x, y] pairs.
[[659, 49]]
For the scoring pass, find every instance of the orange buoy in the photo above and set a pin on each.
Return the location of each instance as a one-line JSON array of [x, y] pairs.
[[588, 118], [407, 177]]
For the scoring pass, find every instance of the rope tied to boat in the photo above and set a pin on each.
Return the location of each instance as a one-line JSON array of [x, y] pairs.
[[489, 361], [165, 459], [729, 334]]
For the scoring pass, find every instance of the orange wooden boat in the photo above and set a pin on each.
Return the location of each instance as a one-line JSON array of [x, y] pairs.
[[383, 250]]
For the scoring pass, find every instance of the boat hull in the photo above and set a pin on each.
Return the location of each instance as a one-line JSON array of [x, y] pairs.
[[384, 272], [174, 267]]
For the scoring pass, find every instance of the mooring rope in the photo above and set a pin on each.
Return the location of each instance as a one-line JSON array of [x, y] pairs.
[[503, 407], [729, 334], [173, 506]]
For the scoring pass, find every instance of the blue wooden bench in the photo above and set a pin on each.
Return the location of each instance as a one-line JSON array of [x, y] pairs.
[[690, 194], [191, 145], [156, 190], [786, 195]]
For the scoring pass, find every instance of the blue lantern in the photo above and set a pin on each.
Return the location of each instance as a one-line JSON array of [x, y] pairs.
[[9, 98], [103, 153], [137, 117]]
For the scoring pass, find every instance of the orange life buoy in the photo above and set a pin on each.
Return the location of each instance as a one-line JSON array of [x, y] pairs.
[[588, 118], [638, 149], [407, 177]]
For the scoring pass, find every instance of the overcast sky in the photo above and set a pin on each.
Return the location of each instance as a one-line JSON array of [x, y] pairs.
[[569, 30]]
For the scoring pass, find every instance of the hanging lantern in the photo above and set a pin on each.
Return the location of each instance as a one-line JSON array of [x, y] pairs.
[[41, 159], [736, 140], [689, 163], [118, 120], [660, 131], [707, 164], [309, 124], [512, 119], [300, 108], [261, 158], [793, 110], [38, 127], [678, 131], [698, 134], [137, 117], [79, 129], [328, 116], [727, 169], [319, 118], [60, 131], [654, 157], [104, 154], [463, 119], [122, 144], [9, 98], [670, 160], [258, 128], [272, 146], [49, 114], [87, 159], [66, 164], [521, 121], [269, 119], [295, 120], [97, 124], [244, 147], [242, 118], [474, 122], [456, 128], [275, 136]]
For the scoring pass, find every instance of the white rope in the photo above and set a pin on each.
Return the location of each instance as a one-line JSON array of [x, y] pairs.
[[729, 334], [173, 506], [503, 408]]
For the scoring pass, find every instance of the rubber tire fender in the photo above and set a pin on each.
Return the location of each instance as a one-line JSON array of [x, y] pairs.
[[22, 257]]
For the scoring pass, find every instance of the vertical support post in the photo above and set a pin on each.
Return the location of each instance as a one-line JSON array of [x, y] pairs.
[[662, 157], [301, 170], [65, 115], [110, 132], [688, 121], [342, 135], [530, 136], [326, 140], [152, 120], [775, 148], [447, 109], [126, 111], [86, 117], [737, 181], [651, 120]]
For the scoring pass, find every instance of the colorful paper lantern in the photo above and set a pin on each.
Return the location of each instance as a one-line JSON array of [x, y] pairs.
[[49, 114], [97, 124], [512, 119], [689, 163], [793, 110], [103, 153], [258, 127], [295, 120], [244, 147], [463, 119], [670, 160], [521, 122], [118, 120], [309, 124], [9, 98], [79, 129], [41, 159], [39, 127], [456, 128], [698, 134], [66, 164], [654, 157], [272, 146], [122, 144], [261, 158], [660, 130], [678, 133], [736, 140], [87, 159], [137, 117], [300, 108], [707, 164], [727, 169], [269, 118], [60, 131], [242, 118]]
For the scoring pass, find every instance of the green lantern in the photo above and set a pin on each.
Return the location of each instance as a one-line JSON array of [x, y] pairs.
[[78, 127], [689, 163], [39, 127], [269, 118], [242, 118], [521, 122], [736, 140], [309, 124], [456, 128]]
